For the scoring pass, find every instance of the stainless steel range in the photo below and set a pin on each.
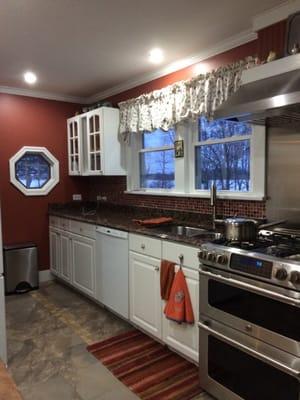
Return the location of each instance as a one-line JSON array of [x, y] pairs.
[[250, 317]]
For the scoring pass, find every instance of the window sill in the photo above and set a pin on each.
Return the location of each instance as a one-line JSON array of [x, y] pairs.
[[228, 196]]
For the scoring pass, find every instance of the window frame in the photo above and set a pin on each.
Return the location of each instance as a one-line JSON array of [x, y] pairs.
[[185, 166], [135, 149], [54, 171], [257, 169]]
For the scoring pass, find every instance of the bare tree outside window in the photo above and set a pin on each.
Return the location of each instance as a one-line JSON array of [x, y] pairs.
[[226, 163], [32, 171], [157, 167]]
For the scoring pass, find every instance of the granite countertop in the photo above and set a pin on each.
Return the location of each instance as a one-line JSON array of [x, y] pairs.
[[122, 218]]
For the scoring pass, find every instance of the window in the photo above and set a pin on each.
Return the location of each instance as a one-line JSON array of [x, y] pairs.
[[222, 155], [34, 171], [156, 160], [229, 153]]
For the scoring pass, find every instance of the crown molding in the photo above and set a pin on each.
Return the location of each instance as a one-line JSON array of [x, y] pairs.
[[228, 44], [275, 14], [43, 95]]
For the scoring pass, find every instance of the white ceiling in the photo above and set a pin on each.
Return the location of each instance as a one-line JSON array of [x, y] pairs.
[[83, 47]]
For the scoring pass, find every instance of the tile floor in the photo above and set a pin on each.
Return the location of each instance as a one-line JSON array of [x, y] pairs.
[[48, 331]]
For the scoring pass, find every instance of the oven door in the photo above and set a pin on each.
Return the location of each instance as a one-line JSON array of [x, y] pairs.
[[255, 310], [234, 366]]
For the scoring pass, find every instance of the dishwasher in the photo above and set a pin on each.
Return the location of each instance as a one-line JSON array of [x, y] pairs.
[[112, 269]]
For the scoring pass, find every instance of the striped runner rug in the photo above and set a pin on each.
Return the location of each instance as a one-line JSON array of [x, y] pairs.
[[149, 369]]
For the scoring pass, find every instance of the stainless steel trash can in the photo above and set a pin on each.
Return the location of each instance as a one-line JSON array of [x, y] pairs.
[[20, 268]]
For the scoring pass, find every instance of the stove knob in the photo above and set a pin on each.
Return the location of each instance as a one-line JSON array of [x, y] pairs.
[[222, 259], [281, 274], [295, 278], [202, 254], [211, 257]]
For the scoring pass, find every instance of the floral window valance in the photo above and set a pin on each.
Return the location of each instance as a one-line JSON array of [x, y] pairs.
[[164, 108]]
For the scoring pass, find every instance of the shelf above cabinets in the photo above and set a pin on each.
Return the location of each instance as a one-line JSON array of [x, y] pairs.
[[93, 144]]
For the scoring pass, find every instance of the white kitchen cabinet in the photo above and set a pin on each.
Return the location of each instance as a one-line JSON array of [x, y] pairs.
[[65, 256], [74, 145], [83, 264], [60, 254], [185, 337], [144, 293], [54, 238], [95, 149]]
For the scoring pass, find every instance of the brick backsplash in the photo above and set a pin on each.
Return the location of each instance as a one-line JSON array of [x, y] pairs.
[[113, 188]]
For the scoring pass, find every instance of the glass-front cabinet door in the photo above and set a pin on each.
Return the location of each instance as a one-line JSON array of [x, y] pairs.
[[74, 146], [94, 142]]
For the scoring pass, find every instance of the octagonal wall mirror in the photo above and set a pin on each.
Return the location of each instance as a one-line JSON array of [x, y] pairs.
[[34, 171]]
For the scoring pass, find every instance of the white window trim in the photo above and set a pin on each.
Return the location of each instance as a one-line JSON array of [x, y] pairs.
[[257, 168], [185, 167], [133, 157], [54, 171]]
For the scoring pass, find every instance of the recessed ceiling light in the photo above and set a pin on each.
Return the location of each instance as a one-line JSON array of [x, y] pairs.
[[156, 56], [30, 77]]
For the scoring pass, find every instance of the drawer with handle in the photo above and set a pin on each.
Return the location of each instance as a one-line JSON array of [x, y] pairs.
[[145, 245], [82, 228], [181, 254]]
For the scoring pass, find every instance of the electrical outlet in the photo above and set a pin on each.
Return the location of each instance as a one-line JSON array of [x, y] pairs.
[[101, 198], [77, 197]]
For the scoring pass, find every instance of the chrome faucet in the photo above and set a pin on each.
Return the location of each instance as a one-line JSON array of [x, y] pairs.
[[213, 201]]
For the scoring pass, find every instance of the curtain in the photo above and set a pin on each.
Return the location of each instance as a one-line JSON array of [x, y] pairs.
[[199, 96]]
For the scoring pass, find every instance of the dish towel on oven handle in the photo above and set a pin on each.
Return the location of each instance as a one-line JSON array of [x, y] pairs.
[[179, 306]]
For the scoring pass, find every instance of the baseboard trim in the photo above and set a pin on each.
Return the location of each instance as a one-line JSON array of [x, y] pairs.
[[45, 276]]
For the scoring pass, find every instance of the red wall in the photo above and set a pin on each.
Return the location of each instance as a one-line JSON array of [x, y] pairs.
[[26, 121]]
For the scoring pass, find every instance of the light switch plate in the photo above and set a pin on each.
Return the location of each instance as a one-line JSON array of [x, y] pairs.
[[77, 197]]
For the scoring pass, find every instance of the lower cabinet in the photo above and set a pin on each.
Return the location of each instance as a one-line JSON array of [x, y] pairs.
[[144, 293], [72, 258], [184, 337], [55, 264], [146, 306], [83, 264], [65, 247]]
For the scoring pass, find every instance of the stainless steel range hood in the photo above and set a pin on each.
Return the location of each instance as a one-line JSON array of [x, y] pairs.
[[268, 91]]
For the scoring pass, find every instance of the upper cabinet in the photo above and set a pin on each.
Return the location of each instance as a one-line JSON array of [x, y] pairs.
[[74, 146], [93, 144]]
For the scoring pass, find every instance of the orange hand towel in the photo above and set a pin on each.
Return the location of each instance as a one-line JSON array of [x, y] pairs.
[[179, 307], [167, 273]]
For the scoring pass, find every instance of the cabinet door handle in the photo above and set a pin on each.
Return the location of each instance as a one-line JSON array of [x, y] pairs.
[[156, 268], [143, 246]]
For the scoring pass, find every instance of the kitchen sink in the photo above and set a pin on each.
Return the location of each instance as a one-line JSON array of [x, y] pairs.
[[185, 231]]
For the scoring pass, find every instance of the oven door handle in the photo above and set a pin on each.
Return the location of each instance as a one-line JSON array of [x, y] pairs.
[[291, 371], [255, 289]]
